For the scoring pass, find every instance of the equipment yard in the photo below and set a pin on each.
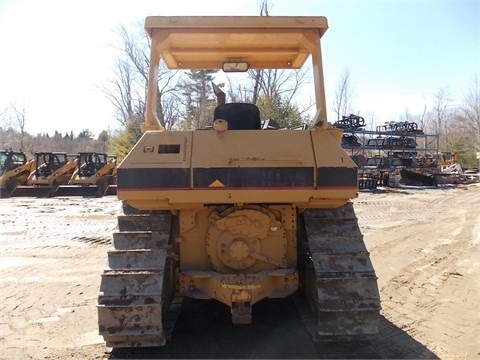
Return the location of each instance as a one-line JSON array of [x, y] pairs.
[[424, 244]]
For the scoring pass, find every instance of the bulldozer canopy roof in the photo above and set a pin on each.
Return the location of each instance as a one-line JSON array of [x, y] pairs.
[[207, 42]]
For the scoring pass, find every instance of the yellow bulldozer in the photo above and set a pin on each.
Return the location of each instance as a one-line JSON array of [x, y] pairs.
[[95, 175], [14, 170], [52, 170], [237, 213]]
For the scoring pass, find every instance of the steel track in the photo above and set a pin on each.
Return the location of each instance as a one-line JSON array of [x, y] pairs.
[[137, 285], [337, 276]]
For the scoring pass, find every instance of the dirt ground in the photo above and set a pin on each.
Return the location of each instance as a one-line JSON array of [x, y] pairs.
[[424, 244]]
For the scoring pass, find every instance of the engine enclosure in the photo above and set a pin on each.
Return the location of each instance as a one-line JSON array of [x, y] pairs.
[[236, 195]]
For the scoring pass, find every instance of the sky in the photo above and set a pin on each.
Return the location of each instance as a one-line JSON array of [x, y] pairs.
[[57, 54]]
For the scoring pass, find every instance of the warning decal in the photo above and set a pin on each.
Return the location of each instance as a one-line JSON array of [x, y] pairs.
[[216, 183]]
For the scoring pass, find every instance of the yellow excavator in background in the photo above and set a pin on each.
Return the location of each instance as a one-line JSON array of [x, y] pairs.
[[53, 169], [95, 175], [14, 170]]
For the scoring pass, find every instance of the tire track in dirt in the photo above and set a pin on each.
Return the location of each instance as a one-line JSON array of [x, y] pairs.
[[63, 295], [431, 287], [424, 284]]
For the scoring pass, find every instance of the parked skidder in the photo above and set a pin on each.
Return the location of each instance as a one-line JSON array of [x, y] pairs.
[[14, 170], [236, 213]]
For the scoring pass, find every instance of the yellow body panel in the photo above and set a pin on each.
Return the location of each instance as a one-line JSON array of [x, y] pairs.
[[304, 150]]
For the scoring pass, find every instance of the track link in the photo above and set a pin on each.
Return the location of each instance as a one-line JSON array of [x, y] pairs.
[[137, 285], [338, 277]]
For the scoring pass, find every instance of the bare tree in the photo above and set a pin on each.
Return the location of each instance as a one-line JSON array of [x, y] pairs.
[[172, 112], [371, 120], [120, 92], [257, 74], [21, 120], [420, 119], [4, 121], [275, 90], [342, 104], [469, 116], [128, 90], [14, 118], [442, 117]]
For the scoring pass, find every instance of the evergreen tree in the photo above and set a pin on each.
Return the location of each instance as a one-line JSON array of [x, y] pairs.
[[199, 99], [102, 141], [85, 134], [274, 108], [122, 143]]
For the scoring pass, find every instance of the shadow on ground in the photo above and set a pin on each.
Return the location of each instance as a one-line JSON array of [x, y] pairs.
[[204, 330]]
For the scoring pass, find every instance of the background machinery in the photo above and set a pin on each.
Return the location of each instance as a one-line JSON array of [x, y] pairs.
[[95, 175], [53, 169], [236, 213], [14, 170]]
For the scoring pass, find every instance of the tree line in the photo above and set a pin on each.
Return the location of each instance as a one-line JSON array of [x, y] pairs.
[[11, 138]]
